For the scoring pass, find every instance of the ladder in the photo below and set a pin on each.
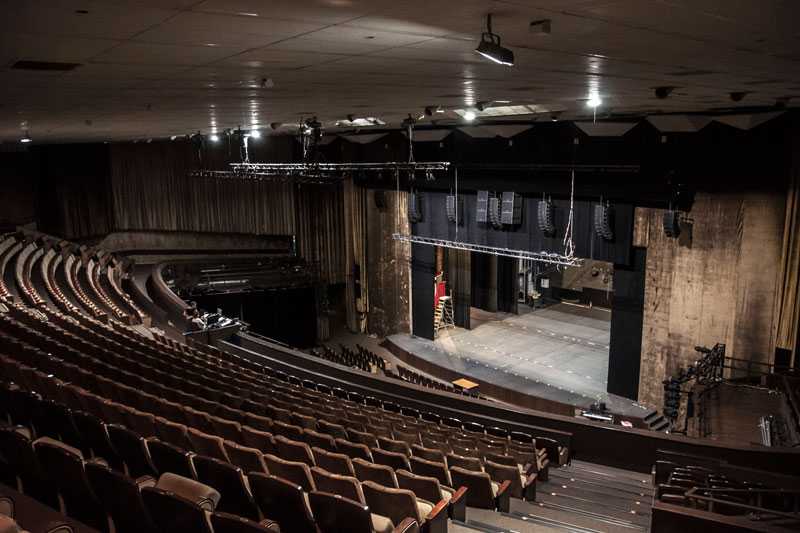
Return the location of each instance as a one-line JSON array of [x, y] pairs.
[[443, 316]]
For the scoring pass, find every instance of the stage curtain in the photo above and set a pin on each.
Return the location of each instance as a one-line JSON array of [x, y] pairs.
[[460, 277], [787, 302], [321, 229], [357, 292]]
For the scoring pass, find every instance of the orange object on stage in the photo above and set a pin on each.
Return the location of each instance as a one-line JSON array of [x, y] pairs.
[[440, 290]]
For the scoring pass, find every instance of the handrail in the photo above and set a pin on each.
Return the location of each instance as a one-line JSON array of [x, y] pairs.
[[691, 494]]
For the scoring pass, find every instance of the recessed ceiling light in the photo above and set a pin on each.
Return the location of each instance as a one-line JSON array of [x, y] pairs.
[[594, 101], [469, 116], [213, 138], [255, 134]]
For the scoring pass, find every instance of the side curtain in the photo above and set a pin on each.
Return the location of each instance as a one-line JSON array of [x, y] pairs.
[[787, 301], [357, 290]]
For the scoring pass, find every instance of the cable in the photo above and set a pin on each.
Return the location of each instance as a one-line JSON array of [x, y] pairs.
[[569, 246]]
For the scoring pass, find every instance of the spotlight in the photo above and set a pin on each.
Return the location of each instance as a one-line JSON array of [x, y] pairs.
[[213, 138], [469, 116], [255, 134], [490, 46], [594, 101], [26, 138]]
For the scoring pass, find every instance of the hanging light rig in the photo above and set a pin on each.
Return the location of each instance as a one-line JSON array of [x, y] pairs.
[[490, 47]]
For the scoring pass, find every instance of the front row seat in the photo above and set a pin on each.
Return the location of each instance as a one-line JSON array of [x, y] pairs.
[[337, 514], [399, 504], [482, 492]]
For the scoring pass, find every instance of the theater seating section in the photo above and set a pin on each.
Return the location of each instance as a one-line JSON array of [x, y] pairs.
[[360, 358]]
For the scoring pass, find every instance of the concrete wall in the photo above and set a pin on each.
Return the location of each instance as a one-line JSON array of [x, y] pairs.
[[387, 265], [717, 286]]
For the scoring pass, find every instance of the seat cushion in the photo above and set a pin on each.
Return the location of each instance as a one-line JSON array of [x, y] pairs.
[[424, 509], [495, 488], [447, 493], [8, 525], [381, 524]]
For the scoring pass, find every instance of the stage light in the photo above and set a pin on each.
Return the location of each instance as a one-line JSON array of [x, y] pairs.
[[594, 101], [490, 47], [213, 138], [26, 138], [469, 116], [255, 134]]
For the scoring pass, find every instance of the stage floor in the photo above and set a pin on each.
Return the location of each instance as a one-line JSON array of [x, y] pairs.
[[559, 353]]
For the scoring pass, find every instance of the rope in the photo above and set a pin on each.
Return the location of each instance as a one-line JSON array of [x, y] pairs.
[[569, 246]]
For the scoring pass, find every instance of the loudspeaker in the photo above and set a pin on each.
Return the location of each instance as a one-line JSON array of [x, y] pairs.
[[455, 210], [494, 212], [512, 209], [414, 207], [482, 212], [672, 224], [380, 199], [545, 218], [604, 221]]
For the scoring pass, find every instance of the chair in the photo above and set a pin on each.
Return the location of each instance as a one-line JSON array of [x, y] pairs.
[[397, 446], [282, 501], [169, 458], [423, 467], [338, 514], [227, 429], [429, 454], [470, 463], [429, 489], [362, 437], [208, 445], [262, 441], [122, 498], [173, 513], [290, 431], [482, 492], [95, 436], [228, 523], [353, 450], [66, 468], [390, 459], [336, 463], [261, 423], [132, 450], [319, 440], [175, 434], [399, 504], [230, 482], [381, 474], [248, 459], [292, 471], [347, 486], [337, 431], [18, 455], [522, 486], [293, 450]]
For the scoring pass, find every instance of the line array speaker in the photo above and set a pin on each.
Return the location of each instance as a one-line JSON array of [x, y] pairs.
[[545, 218], [414, 207], [495, 217], [455, 209], [604, 221], [512, 208], [672, 224], [482, 208]]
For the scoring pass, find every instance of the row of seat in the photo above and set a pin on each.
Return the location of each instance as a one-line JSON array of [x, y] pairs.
[[362, 359], [416, 378]]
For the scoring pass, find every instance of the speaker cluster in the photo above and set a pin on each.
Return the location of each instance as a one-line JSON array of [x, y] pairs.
[[545, 218], [604, 221]]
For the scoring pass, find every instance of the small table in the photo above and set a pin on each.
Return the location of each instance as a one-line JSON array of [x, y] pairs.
[[465, 384]]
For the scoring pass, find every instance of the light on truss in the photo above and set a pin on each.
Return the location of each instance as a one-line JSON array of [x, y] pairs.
[[490, 47]]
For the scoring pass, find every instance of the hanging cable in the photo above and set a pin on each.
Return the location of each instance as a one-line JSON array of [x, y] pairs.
[[569, 245]]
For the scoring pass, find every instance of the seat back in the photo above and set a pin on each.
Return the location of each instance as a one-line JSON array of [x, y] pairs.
[[424, 487], [131, 449], [229, 481], [380, 474], [479, 487], [172, 513], [292, 471], [346, 486], [337, 514], [336, 463], [396, 446], [228, 523], [282, 501], [208, 445], [422, 467], [500, 473], [430, 454], [248, 459], [293, 450], [391, 459], [262, 441], [121, 498], [202, 495], [175, 434], [468, 463], [353, 450], [319, 440], [395, 504], [18, 455], [94, 434], [169, 458]]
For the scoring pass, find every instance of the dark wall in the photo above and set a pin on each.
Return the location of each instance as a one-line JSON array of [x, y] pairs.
[[625, 346], [17, 190]]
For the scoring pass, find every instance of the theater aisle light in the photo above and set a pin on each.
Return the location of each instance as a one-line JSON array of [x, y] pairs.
[[26, 138], [490, 47]]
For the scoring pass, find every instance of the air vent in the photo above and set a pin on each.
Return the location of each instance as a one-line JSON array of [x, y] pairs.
[[45, 65], [691, 73]]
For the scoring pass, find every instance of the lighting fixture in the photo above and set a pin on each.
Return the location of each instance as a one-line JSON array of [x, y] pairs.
[[469, 116], [213, 138], [26, 138], [594, 101], [490, 47], [255, 134]]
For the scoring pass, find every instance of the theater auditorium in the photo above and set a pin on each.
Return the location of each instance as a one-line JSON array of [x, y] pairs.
[[394, 266]]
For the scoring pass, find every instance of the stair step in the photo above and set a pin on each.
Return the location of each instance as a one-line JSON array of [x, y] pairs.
[[662, 426], [650, 416]]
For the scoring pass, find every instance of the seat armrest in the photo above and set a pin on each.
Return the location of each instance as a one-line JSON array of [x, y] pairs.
[[529, 488], [436, 521], [145, 481], [503, 499], [458, 505], [408, 525]]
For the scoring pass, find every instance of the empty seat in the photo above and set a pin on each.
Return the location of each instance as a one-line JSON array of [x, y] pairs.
[[282, 501], [381, 474], [179, 505], [522, 486], [230, 482], [397, 446], [293, 471], [347, 486], [228, 523], [293, 450], [390, 459], [260, 440], [261, 423], [169, 458], [132, 450], [246, 458], [208, 445], [175, 434], [336, 463], [122, 499], [338, 514], [227, 429], [95, 437], [19, 457], [65, 467], [399, 504], [429, 454], [423, 467], [430, 490], [482, 492], [337, 431], [290, 431], [469, 463], [319, 440], [353, 450]]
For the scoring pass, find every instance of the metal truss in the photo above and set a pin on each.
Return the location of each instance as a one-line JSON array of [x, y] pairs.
[[541, 257], [320, 172]]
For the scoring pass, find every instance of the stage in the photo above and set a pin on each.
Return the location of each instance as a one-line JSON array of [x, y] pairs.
[[557, 355]]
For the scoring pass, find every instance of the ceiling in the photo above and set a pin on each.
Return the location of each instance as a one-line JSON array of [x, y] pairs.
[[156, 68]]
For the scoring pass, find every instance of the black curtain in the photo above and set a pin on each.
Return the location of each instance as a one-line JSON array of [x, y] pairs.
[[484, 281], [507, 284], [423, 266], [460, 279]]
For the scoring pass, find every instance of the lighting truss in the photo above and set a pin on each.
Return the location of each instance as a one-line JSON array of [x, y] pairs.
[[321, 172], [541, 257]]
